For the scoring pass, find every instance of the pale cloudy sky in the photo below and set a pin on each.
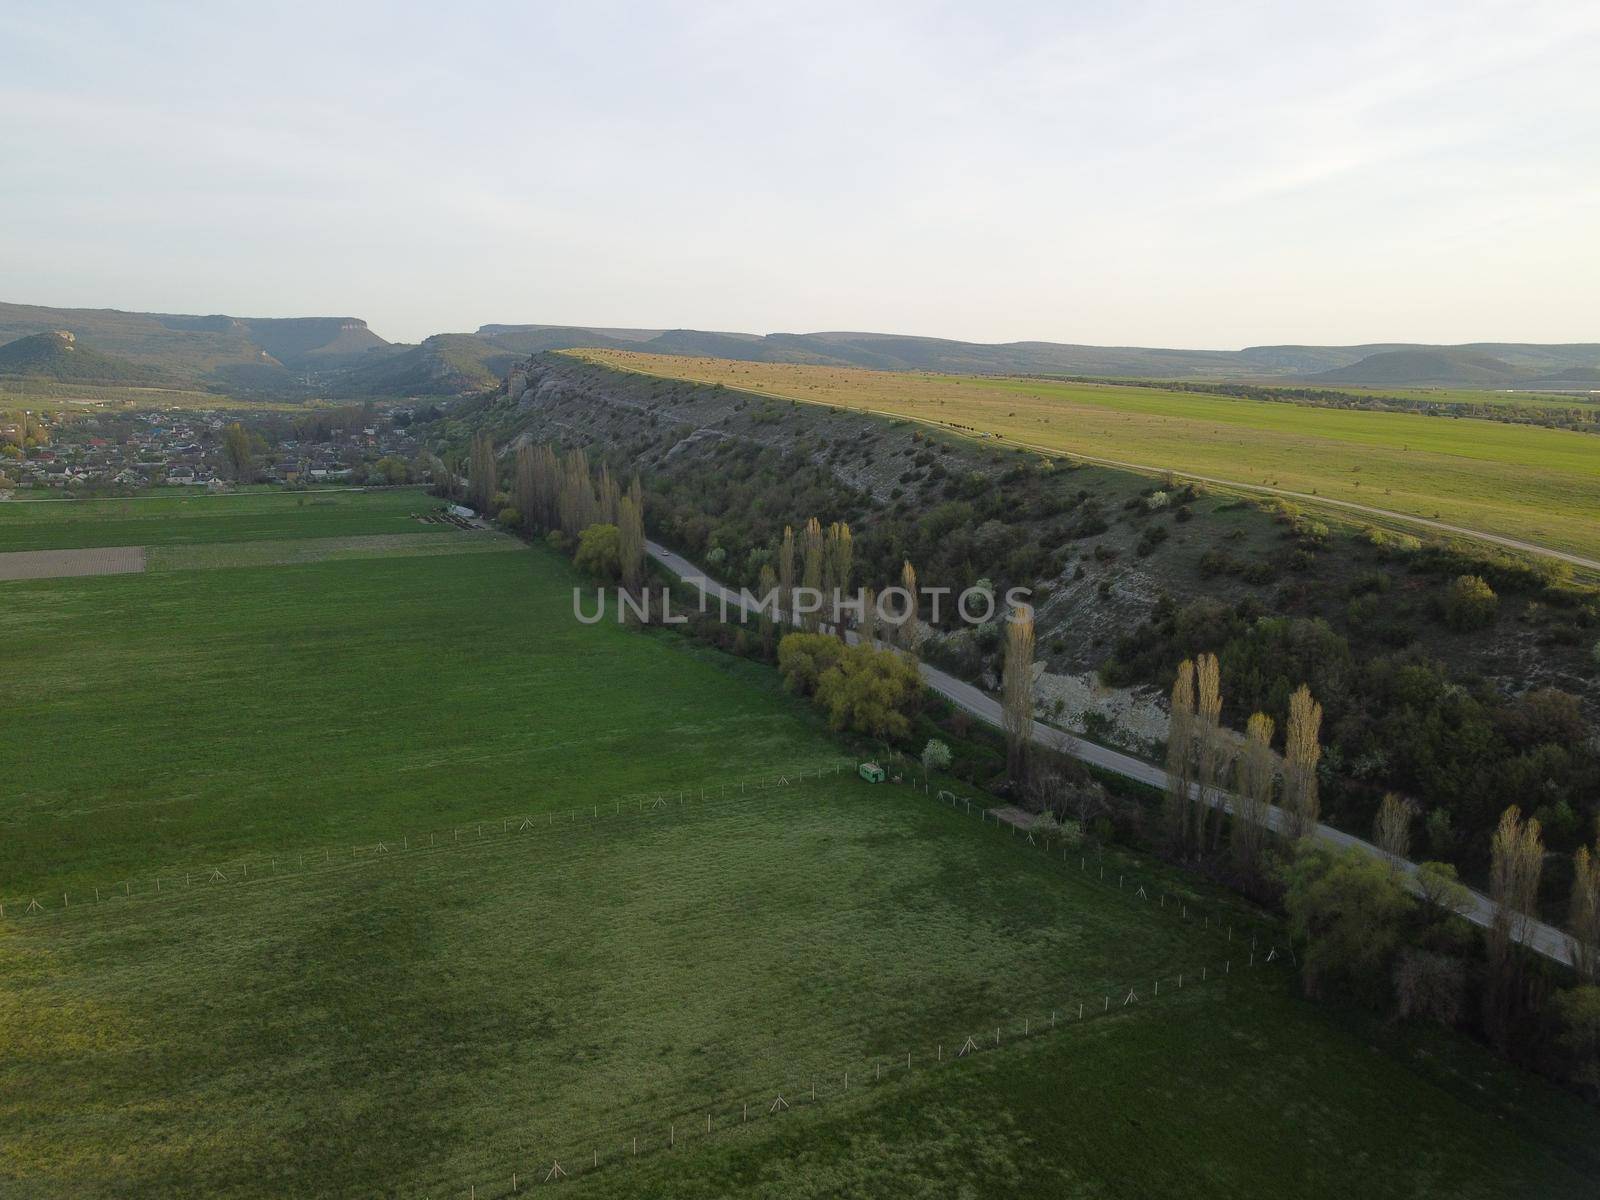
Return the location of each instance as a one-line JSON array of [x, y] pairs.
[[1185, 174]]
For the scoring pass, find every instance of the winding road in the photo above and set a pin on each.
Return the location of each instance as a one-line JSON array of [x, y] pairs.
[[1544, 939]]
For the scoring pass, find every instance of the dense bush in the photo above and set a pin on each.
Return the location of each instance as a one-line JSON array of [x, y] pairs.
[[600, 552], [1470, 603]]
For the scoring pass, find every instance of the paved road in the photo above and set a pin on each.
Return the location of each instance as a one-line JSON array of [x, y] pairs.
[[1545, 939]]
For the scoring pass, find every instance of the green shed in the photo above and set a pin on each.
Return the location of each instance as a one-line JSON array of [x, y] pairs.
[[871, 772]]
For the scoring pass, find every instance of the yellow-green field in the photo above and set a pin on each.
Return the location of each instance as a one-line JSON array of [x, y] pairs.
[[1537, 485], [48, 393]]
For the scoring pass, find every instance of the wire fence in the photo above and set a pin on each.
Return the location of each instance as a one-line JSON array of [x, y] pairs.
[[596, 1150], [1236, 945]]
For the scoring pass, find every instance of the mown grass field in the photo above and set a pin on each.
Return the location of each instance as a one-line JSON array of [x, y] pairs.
[[1534, 484], [541, 962]]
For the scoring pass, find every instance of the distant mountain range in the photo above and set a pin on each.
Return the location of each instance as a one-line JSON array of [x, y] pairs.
[[1483, 365], [235, 354], [341, 357]]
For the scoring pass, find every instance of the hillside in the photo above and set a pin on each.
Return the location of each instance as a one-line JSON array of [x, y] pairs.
[[1132, 575], [59, 356], [1425, 368], [445, 364], [237, 353], [1537, 485]]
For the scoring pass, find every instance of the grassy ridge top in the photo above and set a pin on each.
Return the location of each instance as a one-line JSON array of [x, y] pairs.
[[1534, 484]]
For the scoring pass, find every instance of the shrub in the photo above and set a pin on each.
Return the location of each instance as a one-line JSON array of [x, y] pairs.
[[1430, 986], [600, 551], [1151, 538], [803, 657], [935, 755], [1578, 1011], [870, 691], [509, 517], [1347, 908], [1470, 603], [1437, 882]]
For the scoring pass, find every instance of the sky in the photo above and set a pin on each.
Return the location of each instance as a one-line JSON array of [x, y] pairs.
[[1195, 175]]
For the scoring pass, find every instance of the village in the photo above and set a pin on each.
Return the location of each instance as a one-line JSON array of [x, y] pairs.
[[133, 451]]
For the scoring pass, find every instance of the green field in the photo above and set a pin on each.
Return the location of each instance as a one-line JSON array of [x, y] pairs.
[[383, 876], [163, 519], [1525, 482], [49, 393]]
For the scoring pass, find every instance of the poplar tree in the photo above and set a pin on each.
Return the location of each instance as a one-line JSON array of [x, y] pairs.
[[482, 472], [766, 584], [526, 487], [608, 497], [869, 617], [1391, 827], [1017, 690], [1516, 860], [1583, 914], [1180, 758], [1257, 774], [1208, 745], [908, 630], [547, 483], [841, 565], [1302, 750], [630, 528], [786, 574], [815, 553], [577, 502]]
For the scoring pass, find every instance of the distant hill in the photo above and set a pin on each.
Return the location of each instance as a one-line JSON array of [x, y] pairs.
[[58, 355], [289, 357], [445, 364], [1425, 368], [1378, 364], [235, 353], [882, 351], [1572, 376]]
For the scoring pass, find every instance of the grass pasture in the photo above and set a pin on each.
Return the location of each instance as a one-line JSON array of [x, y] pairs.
[[1525, 482], [186, 519], [294, 1011]]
